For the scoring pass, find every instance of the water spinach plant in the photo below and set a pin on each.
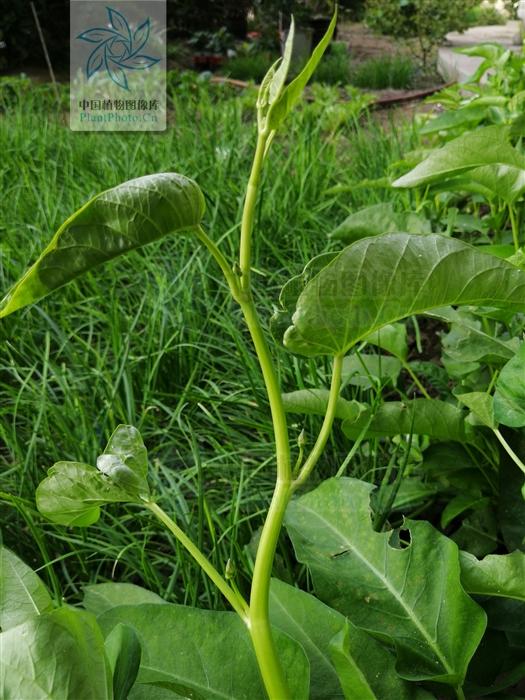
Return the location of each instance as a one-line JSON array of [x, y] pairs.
[[397, 612]]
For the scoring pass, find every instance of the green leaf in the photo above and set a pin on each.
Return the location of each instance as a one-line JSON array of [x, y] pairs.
[[100, 597], [368, 370], [376, 220], [509, 397], [473, 149], [313, 624], [500, 575], [147, 691], [381, 280], [468, 116], [392, 338], [481, 404], [466, 342], [118, 220], [125, 460], [291, 94], [22, 593], [411, 598], [203, 654], [315, 401], [511, 505], [72, 494], [55, 655], [504, 181], [123, 651], [478, 533], [461, 503], [439, 420], [366, 669]]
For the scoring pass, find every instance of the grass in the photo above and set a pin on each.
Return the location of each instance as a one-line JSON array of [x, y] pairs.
[[334, 68], [153, 339], [397, 72], [250, 66]]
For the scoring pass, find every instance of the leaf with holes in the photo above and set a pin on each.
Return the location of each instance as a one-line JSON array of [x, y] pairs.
[[433, 624]]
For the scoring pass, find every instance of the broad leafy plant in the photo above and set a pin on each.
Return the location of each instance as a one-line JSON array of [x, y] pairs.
[[399, 611]]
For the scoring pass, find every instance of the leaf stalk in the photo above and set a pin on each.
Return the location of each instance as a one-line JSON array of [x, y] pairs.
[[233, 597]]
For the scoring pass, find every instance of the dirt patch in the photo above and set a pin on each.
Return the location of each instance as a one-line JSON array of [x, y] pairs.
[[364, 44]]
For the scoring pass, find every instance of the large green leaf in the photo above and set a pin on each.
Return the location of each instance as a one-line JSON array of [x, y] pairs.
[[474, 149], [22, 593], [120, 219], [411, 598], [72, 494], [439, 420], [55, 655], [509, 397], [376, 220], [203, 654], [380, 280], [496, 575]]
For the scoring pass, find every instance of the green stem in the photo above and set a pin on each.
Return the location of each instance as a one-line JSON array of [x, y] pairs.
[[234, 598], [220, 259], [414, 378], [259, 624], [460, 695], [260, 629], [326, 428], [508, 449], [259, 619], [515, 230], [245, 254]]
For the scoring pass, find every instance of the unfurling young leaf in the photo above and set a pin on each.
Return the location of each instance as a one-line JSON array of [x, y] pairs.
[[123, 218], [72, 493], [276, 100]]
